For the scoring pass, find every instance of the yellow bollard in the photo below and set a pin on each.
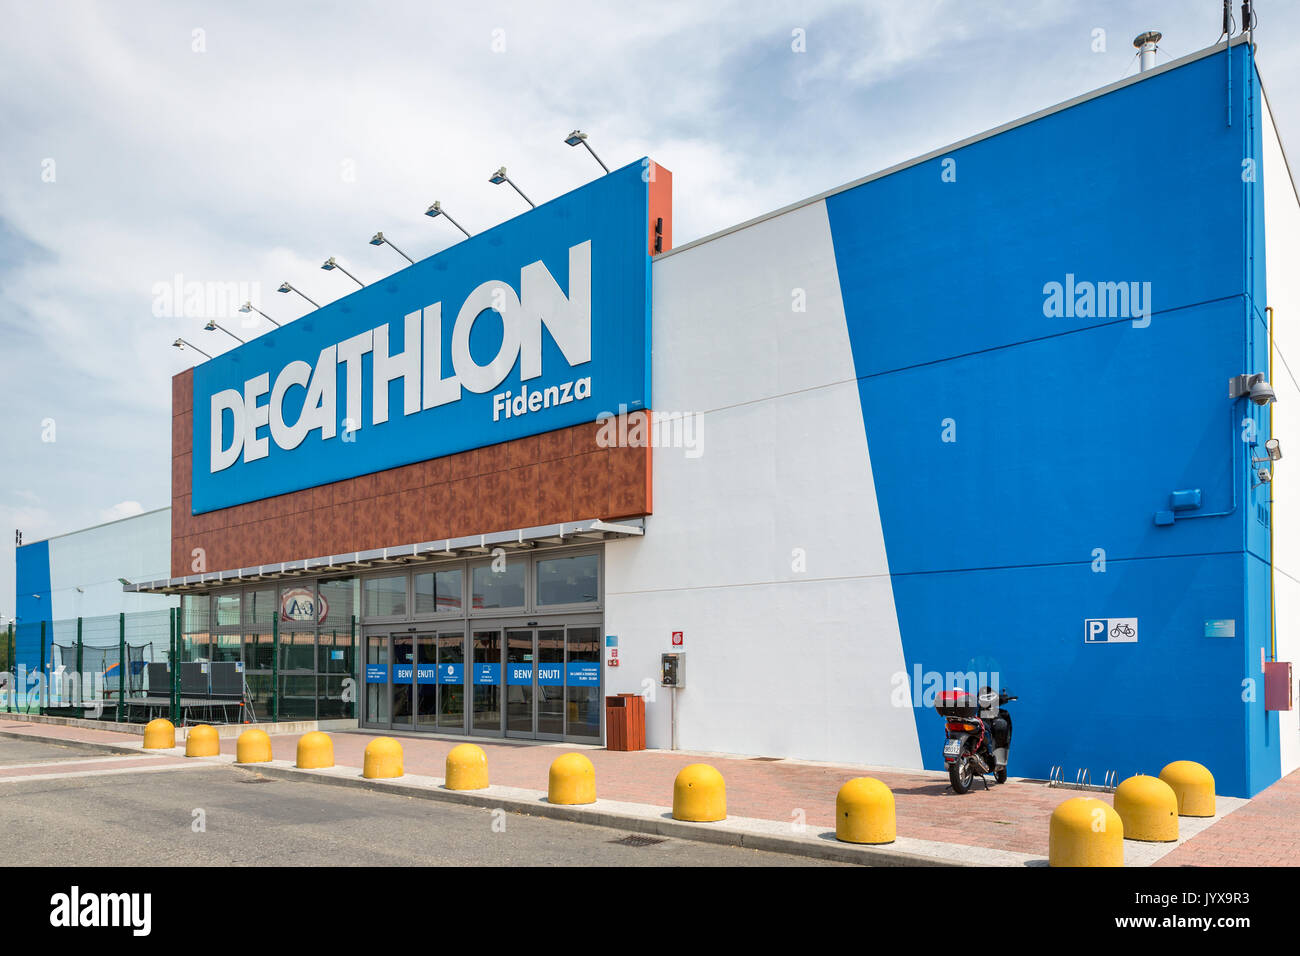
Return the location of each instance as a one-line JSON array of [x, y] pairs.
[[159, 734], [202, 741], [383, 758], [864, 812], [1193, 784], [315, 750], [467, 768], [1085, 831], [572, 780], [699, 794], [1148, 808], [253, 746]]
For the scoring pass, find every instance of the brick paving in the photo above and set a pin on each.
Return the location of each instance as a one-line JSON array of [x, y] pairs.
[[1013, 816], [1264, 832]]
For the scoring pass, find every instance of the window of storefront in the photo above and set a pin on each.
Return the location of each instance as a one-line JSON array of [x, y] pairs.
[[568, 580], [499, 584]]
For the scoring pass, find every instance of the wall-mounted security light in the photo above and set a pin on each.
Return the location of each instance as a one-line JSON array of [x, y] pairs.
[[579, 138], [1273, 448], [378, 240], [1254, 387], [329, 265], [212, 326], [183, 345], [285, 287], [500, 177], [249, 307], [436, 210]]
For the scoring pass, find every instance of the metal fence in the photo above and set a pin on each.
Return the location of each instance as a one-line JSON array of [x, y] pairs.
[[98, 667]]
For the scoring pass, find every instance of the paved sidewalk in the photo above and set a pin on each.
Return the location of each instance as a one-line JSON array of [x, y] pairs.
[[1007, 823]]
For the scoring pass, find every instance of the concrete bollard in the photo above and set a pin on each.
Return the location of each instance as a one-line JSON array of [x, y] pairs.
[[202, 741], [467, 768], [1148, 808], [383, 758], [864, 812], [1193, 785], [253, 746], [572, 780], [1085, 831], [315, 750], [699, 794], [159, 734]]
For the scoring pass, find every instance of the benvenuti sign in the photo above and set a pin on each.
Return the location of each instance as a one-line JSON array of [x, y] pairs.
[[534, 325]]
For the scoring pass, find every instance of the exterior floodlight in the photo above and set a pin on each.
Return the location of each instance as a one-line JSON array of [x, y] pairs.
[[500, 177], [378, 240], [183, 345], [285, 287], [329, 265], [249, 307], [436, 210], [1273, 449], [1254, 387], [213, 327], [578, 137]]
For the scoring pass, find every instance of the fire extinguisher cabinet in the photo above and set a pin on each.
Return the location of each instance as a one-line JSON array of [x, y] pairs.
[[625, 722]]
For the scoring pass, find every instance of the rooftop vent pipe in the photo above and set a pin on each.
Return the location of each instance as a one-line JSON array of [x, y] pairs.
[[1146, 45]]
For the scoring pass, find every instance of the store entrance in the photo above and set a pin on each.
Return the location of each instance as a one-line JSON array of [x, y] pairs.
[[525, 679]]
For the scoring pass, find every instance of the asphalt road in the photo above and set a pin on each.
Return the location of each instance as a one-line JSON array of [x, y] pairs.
[[150, 819]]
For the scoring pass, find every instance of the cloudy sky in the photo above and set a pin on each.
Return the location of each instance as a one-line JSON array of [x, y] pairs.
[[243, 143]]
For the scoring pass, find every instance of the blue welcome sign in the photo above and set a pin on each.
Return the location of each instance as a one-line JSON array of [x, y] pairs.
[[536, 324]]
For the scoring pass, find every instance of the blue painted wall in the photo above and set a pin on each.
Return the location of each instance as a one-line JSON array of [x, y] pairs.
[[32, 581], [1071, 432]]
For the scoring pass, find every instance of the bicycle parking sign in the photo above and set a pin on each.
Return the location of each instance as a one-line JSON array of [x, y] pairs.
[[1113, 630]]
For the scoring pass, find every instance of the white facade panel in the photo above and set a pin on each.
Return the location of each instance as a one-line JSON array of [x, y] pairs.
[[766, 550]]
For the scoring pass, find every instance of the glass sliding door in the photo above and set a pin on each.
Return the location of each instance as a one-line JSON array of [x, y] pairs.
[[582, 682], [550, 682], [426, 681], [403, 655], [519, 682], [485, 718], [451, 681], [377, 709]]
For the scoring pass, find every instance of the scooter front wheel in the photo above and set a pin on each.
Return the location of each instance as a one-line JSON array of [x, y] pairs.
[[960, 774]]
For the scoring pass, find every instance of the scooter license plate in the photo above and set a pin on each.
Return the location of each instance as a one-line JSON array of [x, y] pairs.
[[952, 748]]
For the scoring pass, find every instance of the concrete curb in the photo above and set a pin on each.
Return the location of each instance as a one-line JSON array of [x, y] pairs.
[[85, 745], [772, 836]]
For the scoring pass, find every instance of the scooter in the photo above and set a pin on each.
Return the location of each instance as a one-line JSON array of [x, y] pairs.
[[979, 735]]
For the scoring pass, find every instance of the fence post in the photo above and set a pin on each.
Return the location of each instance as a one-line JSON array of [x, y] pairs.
[[11, 687], [172, 624], [358, 685], [45, 677], [81, 691], [275, 668], [122, 665]]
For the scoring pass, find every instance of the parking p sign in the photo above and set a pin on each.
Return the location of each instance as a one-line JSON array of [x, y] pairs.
[[1112, 630]]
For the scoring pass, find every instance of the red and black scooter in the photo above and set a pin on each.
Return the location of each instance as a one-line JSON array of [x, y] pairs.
[[979, 735]]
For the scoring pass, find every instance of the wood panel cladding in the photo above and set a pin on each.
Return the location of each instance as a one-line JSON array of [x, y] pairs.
[[559, 476]]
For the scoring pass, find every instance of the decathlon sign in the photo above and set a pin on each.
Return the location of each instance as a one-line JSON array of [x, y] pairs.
[[537, 324]]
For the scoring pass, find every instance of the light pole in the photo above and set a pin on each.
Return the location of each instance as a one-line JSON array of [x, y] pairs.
[[436, 210], [249, 307], [329, 265], [500, 177], [212, 326], [378, 240], [183, 345], [578, 137], [285, 287]]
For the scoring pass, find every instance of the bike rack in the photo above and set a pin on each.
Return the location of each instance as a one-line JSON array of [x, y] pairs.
[[1082, 780]]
